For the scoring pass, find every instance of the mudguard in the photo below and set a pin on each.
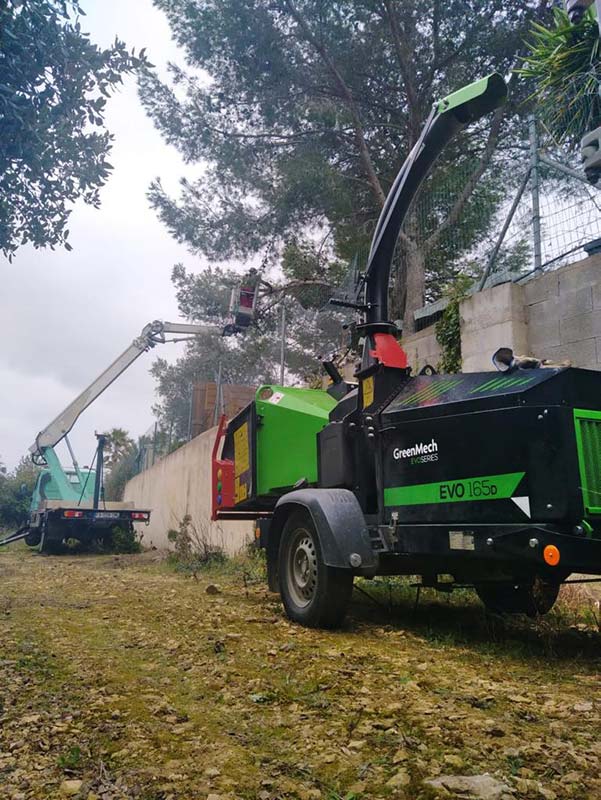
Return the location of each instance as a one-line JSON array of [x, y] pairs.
[[340, 525]]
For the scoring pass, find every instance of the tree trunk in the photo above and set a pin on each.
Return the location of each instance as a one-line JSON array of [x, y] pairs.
[[398, 289], [416, 283]]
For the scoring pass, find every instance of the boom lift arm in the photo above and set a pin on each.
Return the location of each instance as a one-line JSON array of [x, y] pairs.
[[152, 334]]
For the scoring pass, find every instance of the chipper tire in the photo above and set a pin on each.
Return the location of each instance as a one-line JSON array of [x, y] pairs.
[[313, 594], [533, 599]]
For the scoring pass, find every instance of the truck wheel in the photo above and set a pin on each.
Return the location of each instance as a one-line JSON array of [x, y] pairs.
[[313, 594], [33, 538], [533, 599]]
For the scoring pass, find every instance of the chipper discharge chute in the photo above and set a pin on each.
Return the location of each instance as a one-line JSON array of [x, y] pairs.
[[491, 479]]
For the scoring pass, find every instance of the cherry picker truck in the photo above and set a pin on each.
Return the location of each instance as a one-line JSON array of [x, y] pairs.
[[491, 478], [69, 503]]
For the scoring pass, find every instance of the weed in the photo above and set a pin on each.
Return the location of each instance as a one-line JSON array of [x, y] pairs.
[[124, 540], [192, 549], [71, 761], [515, 764]]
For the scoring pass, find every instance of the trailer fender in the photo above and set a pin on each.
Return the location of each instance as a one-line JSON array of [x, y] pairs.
[[340, 525]]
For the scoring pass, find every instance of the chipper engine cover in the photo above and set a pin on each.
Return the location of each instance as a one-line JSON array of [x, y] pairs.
[[489, 448]]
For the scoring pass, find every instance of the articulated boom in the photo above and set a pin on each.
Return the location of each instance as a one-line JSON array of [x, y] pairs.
[[152, 334]]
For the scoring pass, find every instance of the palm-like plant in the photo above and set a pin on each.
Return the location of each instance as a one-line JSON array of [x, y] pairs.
[[565, 63]]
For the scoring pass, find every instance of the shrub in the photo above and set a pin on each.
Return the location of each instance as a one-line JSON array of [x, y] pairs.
[[192, 549], [124, 540]]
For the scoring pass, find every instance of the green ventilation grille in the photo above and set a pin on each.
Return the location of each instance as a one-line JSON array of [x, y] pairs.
[[588, 440]]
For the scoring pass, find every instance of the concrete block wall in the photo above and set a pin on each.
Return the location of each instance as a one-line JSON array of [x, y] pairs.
[[491, 319], [422, 348], [180, 484], [563, 309], [555, 316]]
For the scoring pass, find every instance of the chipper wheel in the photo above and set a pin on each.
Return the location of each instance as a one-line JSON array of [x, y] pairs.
[[533, 599], [313, 594]]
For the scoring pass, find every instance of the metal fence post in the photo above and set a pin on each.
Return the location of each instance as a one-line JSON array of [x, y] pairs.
[[535, 192], [217, 396], [283, 346], [495, 251]]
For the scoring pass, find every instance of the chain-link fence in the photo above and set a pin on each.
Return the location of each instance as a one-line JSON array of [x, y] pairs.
[[526, 213]]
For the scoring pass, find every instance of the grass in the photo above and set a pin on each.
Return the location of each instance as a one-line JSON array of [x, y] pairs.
[[458, 618], [144, 681]]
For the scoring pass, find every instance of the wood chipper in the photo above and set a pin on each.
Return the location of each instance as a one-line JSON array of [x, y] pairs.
[[487, 479]]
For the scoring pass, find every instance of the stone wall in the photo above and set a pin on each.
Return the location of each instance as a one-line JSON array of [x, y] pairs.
[[180, 484]]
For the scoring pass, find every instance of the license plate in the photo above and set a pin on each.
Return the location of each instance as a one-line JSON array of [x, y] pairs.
[[106, 515]]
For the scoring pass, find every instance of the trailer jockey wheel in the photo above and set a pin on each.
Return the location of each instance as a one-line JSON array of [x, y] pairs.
[[313, 594], [533, 599]]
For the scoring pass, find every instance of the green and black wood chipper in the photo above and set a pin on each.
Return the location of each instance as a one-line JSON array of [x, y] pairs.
[[491, 478]]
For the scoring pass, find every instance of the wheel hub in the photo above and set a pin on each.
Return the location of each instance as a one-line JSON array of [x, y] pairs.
[[302, 569]]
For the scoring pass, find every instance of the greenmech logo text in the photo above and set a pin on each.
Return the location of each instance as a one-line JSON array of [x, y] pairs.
[[419, 453]]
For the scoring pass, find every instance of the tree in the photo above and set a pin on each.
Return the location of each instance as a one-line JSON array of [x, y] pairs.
[[123, 469], [253, 357], [309, 111], [119, 444], [16, 488], [54, 83], [564, 61]]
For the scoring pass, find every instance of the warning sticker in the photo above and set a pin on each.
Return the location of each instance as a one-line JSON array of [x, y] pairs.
[[275, 398], [241, 450], [368, 391], [240, 491]]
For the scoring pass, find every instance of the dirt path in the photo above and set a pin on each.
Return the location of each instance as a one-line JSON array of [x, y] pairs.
[[122, 674]]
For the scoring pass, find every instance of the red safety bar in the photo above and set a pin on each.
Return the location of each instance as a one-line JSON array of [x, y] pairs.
[[222, 475]]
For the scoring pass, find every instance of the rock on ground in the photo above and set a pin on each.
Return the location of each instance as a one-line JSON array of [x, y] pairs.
[[473, 787]]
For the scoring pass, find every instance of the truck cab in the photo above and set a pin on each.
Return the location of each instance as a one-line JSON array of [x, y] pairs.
[[47, 488]]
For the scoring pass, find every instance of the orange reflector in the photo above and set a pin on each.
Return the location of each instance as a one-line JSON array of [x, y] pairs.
[[551, 555], [257, 533]]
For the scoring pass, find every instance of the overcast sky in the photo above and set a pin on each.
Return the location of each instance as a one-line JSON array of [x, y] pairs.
[[66, 316]]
